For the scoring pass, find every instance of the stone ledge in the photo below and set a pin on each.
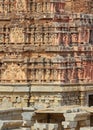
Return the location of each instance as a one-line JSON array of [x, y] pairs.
[[13, 110], [9, 124], [46, 83], [53, 89], [14, 89], [46, 87]]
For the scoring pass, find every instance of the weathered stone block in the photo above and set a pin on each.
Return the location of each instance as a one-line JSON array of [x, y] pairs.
[[77, 116], [69, 124], [27, 116]]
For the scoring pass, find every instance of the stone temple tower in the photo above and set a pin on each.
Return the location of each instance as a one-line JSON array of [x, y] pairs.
[[45, 50], [46, 53]]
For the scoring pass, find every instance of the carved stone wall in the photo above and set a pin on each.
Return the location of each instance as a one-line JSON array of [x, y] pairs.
[[9, 100], [41, 100], [12, 73], [46, 42]]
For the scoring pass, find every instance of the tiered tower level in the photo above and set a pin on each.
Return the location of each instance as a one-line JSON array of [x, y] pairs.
[[46, 52]]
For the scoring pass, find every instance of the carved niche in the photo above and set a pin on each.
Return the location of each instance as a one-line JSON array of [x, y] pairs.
[[84, 35], [5, 101], [13, 73], [21, 5], [16, 35]]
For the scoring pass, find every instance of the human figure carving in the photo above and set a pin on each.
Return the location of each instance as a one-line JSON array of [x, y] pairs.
[[47, 75], [21, 5], [80, 74], [55, 75], [13, 73], [17, 35], [63, 75], [66, 39], [69, 73], [74, 38]]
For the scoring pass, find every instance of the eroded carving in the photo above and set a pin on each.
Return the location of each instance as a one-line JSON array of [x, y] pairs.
[[16, 35], [13, 73]]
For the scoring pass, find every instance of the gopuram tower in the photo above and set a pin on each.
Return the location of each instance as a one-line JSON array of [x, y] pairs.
[[46, 53]]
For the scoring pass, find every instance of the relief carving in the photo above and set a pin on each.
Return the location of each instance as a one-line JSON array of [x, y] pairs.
[[69, 74], [1, 38], [63, 75], [16, 35], [83, 35], [13, 73], [38, 38], [39, 7], [74, 38], [21, 5], [6, 102], [56, 77], [80, 74], [47, 75], [66, 39]]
